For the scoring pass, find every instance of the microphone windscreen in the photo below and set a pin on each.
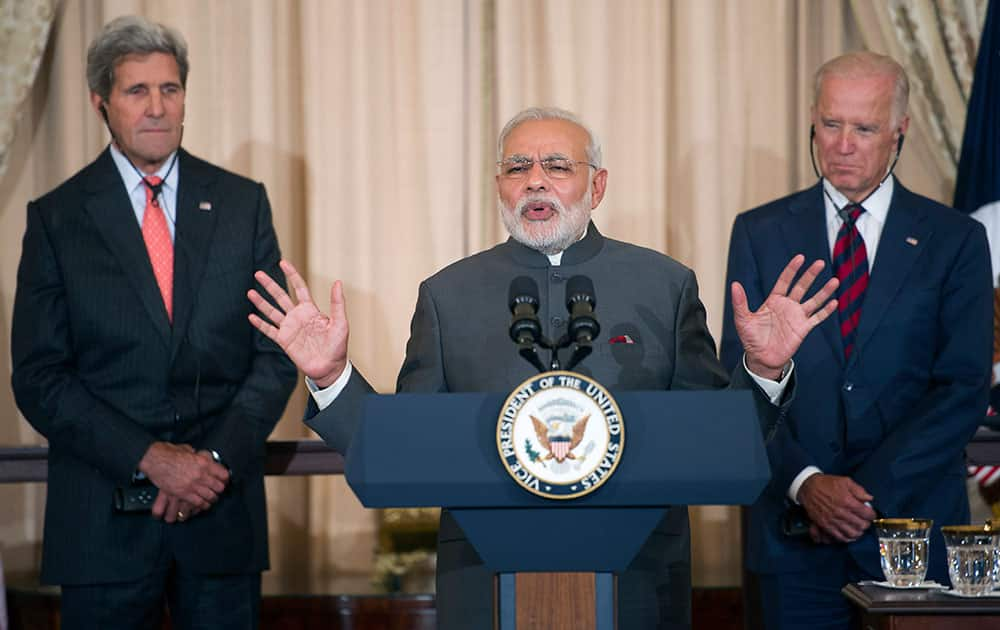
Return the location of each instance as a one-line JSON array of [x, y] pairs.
[[523, 290], [580, 288]]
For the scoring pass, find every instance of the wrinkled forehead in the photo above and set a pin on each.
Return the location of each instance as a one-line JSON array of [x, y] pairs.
[[543, 138], [154, 68], [873, 93]]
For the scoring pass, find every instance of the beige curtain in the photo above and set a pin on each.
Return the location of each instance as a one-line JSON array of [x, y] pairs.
[[936, 41], [373, 123], [24, 29]]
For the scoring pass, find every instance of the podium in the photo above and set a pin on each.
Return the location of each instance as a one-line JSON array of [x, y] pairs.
[[680, 448]]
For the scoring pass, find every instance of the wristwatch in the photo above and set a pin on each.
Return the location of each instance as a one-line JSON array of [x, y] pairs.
[[218, 460]]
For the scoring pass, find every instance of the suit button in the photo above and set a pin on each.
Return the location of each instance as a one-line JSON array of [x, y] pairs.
[[834, 447], [557, 277], [177, 416], [557, 321], [848, 387]]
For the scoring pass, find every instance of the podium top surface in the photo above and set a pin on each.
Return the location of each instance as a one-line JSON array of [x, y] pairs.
[[680, 447]]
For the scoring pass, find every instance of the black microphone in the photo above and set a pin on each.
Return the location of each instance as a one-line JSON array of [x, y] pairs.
[[154, 188], [525, 329], [580, 301], [522, 298]]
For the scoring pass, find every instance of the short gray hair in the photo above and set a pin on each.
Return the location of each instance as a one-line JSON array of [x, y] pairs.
[[552, 113], [865, 63], [131, 35]]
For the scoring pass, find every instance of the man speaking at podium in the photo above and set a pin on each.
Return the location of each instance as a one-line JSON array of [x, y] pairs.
[[549, 180]]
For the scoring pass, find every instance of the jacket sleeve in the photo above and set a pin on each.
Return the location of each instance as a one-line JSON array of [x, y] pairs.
[[422, 371], [45, 376]]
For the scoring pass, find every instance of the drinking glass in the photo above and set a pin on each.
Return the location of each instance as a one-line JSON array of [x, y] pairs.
[[971, 557], [904, 544]]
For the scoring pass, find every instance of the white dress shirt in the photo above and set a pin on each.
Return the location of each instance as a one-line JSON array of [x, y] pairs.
[[137, 190]]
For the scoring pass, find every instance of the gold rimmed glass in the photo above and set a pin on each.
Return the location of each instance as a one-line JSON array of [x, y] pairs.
[[971, 557], [904, 545]]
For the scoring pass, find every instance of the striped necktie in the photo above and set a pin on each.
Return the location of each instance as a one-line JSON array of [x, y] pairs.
[[850, 265]]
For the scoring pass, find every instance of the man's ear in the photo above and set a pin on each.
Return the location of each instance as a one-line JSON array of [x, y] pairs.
[[99, 106], [598, 185]]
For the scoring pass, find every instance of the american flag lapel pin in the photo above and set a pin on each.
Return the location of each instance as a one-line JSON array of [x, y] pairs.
[[911, 241], [205, 205]]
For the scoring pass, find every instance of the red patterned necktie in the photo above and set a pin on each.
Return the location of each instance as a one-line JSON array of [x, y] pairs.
[[850, 265], [161, 249]]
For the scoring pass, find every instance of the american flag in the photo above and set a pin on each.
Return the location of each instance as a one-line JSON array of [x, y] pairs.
[[985, 475]]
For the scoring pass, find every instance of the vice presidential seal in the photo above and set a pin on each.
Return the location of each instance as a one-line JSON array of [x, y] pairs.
[[560, 435]]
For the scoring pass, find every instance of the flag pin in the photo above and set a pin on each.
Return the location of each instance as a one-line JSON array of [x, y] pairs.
[[205, 205], [911, 240]]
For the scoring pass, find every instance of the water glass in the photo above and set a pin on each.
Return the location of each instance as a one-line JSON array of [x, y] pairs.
[[971, 557], [994, 524], [904, 544]]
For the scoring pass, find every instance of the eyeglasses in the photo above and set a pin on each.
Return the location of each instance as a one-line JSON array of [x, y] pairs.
[[554, 167]]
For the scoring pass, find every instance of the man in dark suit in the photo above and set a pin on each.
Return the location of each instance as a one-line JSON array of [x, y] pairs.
[[549, 180], [133, 357], [893, 388]]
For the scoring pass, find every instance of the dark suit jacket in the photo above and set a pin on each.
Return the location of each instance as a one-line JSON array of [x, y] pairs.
[[101, 373], [897, 416], [459, 343]]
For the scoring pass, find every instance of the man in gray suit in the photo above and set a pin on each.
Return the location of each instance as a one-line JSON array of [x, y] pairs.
[[549, 180]]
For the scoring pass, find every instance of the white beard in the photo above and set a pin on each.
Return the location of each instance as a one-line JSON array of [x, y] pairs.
[[552, 235]]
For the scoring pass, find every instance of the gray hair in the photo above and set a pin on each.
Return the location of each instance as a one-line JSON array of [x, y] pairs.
[[551, 113], [131, 35], [866, 64]]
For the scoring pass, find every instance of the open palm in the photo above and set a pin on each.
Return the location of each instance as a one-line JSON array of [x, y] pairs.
[[773, 333], [315, 342]]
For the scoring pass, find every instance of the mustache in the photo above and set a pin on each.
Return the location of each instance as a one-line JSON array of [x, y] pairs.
[[536, 199]]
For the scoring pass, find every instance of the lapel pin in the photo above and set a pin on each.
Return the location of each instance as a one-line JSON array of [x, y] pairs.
[[912, 241], [626, 339], [205, 205]]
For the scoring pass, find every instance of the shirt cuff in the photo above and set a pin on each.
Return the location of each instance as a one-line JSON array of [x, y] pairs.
[[325, 396], [773, 389], [793, 490]]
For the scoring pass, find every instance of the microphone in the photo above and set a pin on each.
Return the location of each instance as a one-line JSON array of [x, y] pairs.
[[525, 329], [580, 302], [154, 188], [522, 298]]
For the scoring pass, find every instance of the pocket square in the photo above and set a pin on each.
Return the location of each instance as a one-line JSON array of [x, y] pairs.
[[205, 205], [626, 339]]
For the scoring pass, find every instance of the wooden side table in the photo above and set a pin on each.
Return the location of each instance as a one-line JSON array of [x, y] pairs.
[[920, 609]]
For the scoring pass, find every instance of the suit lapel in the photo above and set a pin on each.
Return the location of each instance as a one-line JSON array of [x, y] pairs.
[[894, 258], [110, 209], [804, 230], [195, 227]]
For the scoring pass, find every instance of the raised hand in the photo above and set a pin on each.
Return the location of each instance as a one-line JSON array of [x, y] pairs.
[[315, 342], [773, 333]]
